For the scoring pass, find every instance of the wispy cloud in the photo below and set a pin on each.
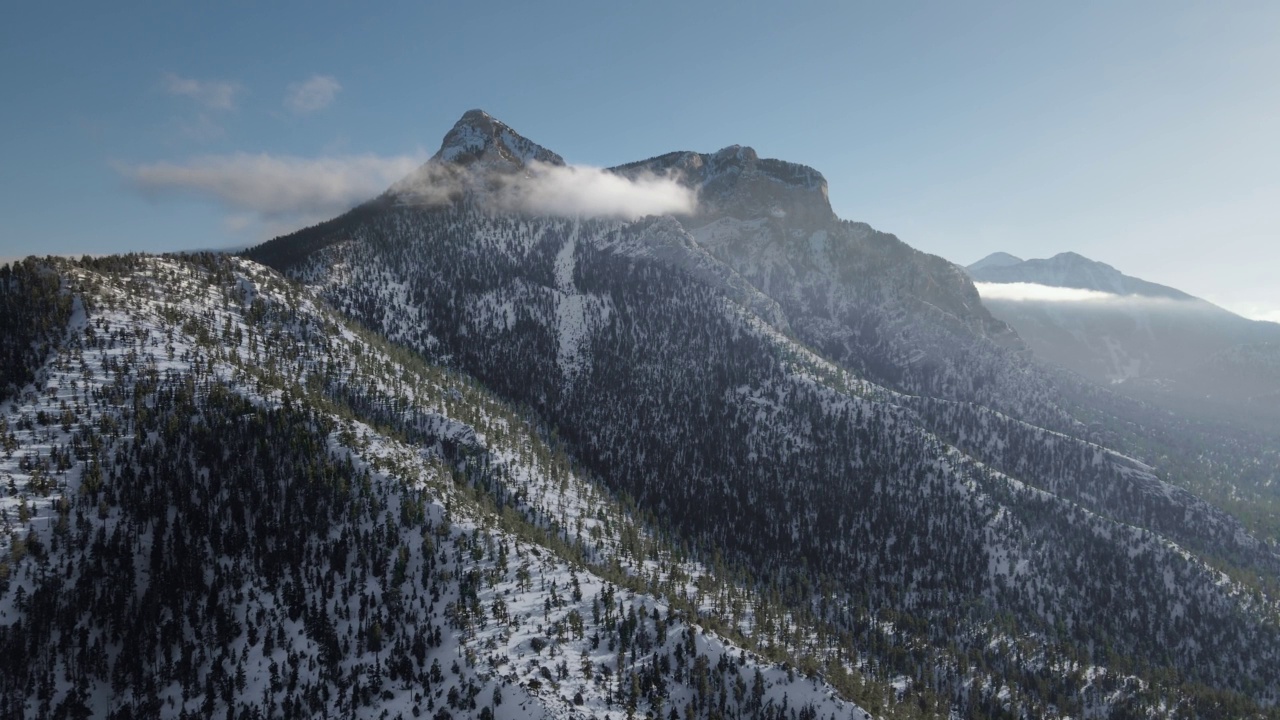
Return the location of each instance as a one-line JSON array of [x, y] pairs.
[[584, 190], [275, 191], [201, 128], [274, 194], [1092, 299], [546, 189], [1033, 292], [219, 95], [315, 93]]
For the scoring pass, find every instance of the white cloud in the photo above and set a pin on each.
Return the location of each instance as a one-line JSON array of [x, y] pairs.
[[1032, 292], [546, 189], [276, 191], [584, 190], [212, 94], [274, 194], [316, 93], [1093, 299]]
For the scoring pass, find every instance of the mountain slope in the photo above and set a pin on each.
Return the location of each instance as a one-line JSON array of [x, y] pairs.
[[832, 414], [1069, 270], [222, 500], [1158, 341]]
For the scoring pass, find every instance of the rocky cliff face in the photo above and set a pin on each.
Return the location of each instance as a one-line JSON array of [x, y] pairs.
[[480, 154], [735, 182]]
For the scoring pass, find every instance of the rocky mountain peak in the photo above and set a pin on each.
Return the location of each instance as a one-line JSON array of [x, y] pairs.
[[736, 182], [478, 137]]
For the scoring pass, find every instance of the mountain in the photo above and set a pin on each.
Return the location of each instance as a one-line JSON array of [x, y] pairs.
[[1069, 270], [455, 456], [1153, 340], [479, 138], [819, 412], [223, 499]]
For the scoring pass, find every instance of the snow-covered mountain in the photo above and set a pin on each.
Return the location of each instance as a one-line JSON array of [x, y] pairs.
[[449, 456], [819, 405], [223, 499], [480, 138], [1158, 341]]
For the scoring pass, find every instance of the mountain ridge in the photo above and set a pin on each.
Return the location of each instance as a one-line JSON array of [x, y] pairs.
[[1071, 270], [734, 463], [1159, 342], [674, 380]]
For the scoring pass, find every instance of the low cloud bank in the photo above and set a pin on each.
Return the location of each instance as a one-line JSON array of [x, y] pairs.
[[1033, 292], [272, 193], [546, 189], [595, 192]]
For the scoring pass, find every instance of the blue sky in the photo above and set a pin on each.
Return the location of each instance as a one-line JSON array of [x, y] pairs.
[[1139, 134]]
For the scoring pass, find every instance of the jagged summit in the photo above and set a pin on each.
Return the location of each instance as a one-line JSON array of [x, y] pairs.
[[732, 182], [477, 149], [480, 137]]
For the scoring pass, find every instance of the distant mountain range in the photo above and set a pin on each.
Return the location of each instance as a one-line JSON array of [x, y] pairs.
[[1156, 341], [1069, 270]]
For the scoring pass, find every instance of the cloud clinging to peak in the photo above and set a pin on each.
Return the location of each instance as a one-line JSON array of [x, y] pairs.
[[565, 190], [211, 94], [279, 193], [1024, 292], [315, 93], [1033, 292], [592, 191]]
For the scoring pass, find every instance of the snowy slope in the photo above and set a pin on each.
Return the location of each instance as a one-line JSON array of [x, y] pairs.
[[809, 404], [442, 603]]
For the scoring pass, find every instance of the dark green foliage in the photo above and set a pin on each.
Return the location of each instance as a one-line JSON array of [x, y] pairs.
[[242, 501], [34, 311]]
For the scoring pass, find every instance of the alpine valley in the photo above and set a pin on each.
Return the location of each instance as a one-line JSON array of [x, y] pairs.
[[469, 450]]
